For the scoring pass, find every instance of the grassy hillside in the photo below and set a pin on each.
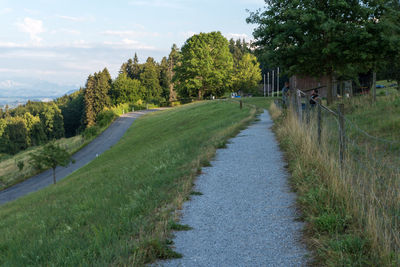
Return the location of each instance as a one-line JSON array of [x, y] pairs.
[[118, 209]]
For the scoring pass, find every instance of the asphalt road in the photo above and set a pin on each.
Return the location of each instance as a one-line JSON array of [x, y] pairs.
[[100, 144], [246, 215]]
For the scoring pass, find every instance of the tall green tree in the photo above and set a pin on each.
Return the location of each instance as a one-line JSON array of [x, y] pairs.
[[173, 61], [150, 80], [206, 66], [314, 38], [247, 74], [97, 95], [165, 81]]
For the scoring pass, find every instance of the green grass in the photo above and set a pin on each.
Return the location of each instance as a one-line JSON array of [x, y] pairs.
[[116, 210]]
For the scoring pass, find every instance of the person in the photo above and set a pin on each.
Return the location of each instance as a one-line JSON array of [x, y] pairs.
[[285, 93], [314, 98]]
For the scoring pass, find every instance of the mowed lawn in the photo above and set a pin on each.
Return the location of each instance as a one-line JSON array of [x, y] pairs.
[[119, 209]]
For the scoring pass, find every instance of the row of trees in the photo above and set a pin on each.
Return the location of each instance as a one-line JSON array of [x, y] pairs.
[[334, 38], [207, 65], [32, 124]]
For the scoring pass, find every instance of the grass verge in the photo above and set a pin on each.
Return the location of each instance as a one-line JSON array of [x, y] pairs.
[[347, 216], [117, 210]]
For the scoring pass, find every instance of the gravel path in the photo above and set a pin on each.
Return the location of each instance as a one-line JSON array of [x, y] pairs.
[[246, 215], [103, 142]]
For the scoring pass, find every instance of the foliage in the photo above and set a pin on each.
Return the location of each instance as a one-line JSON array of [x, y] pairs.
[[206, 66], [72, 108], [319, 38], [96, 95], [126, 90], [50, 156], [20, 165], [247, 74], [15, 135], [150, 80]]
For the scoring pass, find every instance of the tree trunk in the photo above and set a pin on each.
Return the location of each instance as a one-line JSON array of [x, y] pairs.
[[373, 86], [329, 95], [200, 94], [54, 175], [398, 85]]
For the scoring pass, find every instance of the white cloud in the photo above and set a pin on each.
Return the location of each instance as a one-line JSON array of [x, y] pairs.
[[188, 34], [129, 44], [32, 54], [76, 19], [10, 84], [237, 36], [67, 31], [12, 45], [5, 10], [128, 34], [33, 27], [177, 4]]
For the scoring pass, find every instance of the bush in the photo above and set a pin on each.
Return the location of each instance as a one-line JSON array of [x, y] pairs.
[[91, 132], [105, 117]]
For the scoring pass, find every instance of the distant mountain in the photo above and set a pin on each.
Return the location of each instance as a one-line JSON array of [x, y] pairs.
[[20, 90]]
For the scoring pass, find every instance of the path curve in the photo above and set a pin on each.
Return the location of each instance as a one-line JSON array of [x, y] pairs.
[[100, 144], [246, 215]]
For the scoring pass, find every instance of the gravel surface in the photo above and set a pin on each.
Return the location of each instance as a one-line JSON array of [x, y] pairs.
[[103, 142], [246, 215]]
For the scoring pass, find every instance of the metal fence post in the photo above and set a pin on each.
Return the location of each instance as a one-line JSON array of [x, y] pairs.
[[308, 109], [319, 120], [241, 104], [341, 134]]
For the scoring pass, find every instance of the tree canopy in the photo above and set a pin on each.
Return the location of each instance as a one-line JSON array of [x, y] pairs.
[[318, 38], [206, 66]]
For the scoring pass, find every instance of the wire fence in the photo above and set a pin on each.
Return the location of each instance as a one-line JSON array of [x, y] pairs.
[[369, 164]]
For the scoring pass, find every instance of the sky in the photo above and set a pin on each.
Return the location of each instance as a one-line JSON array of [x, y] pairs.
[[63, 42]]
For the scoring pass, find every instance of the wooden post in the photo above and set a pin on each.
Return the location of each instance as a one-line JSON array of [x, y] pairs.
[[241, 104], [273, 81], [299, 106], [341, 134], [319, 120], [308, 109], [268, 87]]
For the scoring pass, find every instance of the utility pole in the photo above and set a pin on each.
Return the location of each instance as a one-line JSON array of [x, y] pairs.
[[264, 84], [273, 80], [277, 82]]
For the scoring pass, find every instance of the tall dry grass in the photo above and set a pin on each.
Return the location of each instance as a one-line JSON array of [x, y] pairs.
[[363, 194]]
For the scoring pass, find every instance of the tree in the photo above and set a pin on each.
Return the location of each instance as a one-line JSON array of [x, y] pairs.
[[150, 80], [314, 38], [97, 95], [125, 90], [173, 61], [72, 108], [132, 68], [90, 112], [15, 136], [50, 156], [247, 74], [165, 80], [206, 66]]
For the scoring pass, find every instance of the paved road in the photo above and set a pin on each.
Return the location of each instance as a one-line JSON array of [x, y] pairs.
[[103, 142], [246, 215]]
